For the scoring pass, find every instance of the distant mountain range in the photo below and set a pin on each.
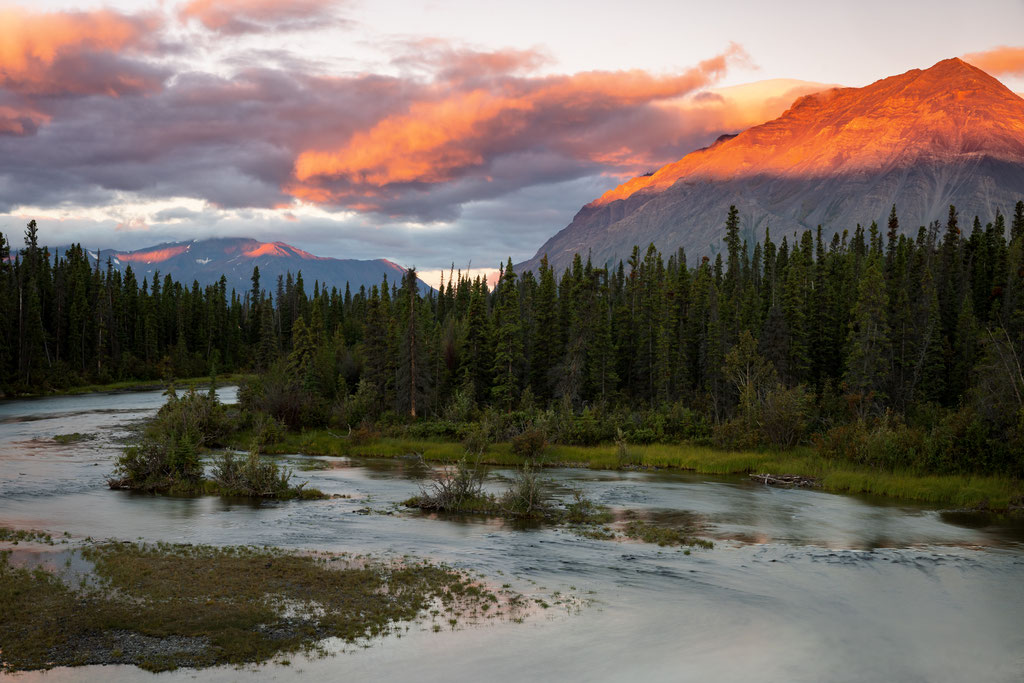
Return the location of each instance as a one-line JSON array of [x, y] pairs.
[[922, 140], [205, 261]]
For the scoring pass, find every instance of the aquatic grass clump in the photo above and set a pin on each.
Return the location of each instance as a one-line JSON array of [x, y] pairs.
[[458, 488], [16, 536], [582, 510], [161, 606], [663, 535], [252, 476], [527, 496], [74, 437]]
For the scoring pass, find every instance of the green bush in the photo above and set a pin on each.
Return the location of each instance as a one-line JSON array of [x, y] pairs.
[[168, 454], [456, 489], [529, 445], [251, 476], [526, 496], [783, 416], [476, 441]]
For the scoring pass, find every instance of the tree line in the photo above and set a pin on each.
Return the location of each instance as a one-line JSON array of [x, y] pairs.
[[919, 337]]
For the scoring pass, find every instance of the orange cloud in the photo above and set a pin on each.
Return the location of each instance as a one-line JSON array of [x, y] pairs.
[[39, 51], [445, 134], [1002, 60], [250, 16]]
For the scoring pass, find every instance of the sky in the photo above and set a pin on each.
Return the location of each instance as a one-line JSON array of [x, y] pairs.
[[429, 133]]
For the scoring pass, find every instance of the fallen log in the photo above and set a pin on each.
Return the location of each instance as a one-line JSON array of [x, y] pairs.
[[786, 480]]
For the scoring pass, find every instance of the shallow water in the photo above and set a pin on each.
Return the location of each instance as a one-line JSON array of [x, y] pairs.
[[801, 585]]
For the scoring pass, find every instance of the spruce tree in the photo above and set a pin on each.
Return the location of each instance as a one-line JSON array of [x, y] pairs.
[[508, 343], [869, 334]]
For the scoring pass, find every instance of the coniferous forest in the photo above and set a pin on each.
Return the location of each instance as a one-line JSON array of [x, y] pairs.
[[891, 351]]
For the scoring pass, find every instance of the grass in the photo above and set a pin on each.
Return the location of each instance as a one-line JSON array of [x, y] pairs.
[[663, 535], [954, 490], [140, 385], [209, 487], [74, 437], [16, 536], [161, 606]]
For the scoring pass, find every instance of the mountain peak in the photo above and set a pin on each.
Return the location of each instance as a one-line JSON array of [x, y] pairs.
[[947, 109], [922, 140], [205, 261]]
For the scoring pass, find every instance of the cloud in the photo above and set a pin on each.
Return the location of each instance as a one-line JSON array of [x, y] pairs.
[[18, 117], [402, 146], [234, 17], [80, 53], [459, 127], [999, 61], [103, 114]]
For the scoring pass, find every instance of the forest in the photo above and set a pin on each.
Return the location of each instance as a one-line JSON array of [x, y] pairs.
[[897, 352]]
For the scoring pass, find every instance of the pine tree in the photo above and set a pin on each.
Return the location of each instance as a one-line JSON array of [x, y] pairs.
[[413, 368], [1017, 227], [869, 334], [508, 343], [477, 368], [544, 332]]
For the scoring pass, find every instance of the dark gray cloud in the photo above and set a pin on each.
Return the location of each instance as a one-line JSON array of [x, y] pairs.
[[455, 147]]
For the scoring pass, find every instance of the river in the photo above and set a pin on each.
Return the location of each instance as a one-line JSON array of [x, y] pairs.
[[801, 585]]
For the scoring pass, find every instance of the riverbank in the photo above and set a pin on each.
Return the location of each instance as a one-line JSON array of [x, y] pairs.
[[995, 493], [132, 385]]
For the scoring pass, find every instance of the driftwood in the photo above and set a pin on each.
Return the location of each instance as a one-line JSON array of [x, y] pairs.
[[786, 480]]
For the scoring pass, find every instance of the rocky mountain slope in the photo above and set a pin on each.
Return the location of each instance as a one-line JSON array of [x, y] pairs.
[[922, 140]]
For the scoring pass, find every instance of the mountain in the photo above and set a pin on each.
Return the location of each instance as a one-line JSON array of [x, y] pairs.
[[206, 260], [922, 140]]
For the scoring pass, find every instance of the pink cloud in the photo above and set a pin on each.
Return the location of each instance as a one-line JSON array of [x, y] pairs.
[[458, 125], [74, 52], [1002, 60]]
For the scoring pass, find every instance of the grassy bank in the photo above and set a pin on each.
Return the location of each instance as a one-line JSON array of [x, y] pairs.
[[164, 606], [957, 491], [136, 385]]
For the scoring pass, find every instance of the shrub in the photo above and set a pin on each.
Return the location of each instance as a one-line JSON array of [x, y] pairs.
[[526, 495], [623, 454], [784, 415], [529, 445], [476, 441], [157, 464], [251, 476], [455, 489], [584, 511], [266, 429], [461, 406], [281, 396], [362, 435], [168, 455]]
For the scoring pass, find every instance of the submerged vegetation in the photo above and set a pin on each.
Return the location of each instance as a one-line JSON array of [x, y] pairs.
[[162, 606], [663, 535], [16, 536], [460, 488], [74, 437]]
